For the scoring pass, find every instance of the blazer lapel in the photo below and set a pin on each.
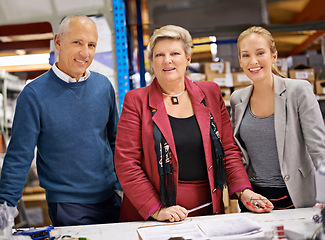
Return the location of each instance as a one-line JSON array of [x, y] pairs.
[[279, 114], [241, 107], [160, 118]]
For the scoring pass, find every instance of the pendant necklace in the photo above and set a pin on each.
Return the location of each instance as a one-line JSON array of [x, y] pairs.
[[174, 97]]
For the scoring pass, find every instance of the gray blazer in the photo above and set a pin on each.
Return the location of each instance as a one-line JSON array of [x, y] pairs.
[[299, 132]]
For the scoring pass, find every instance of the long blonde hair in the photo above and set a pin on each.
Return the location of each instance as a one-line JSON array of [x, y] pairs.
[[268, 37]]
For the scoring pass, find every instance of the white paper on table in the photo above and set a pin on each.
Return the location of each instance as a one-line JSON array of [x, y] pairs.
[[229, 226], [187, 230]]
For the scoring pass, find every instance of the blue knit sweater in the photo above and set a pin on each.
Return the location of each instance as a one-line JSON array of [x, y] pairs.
[[73, 126]]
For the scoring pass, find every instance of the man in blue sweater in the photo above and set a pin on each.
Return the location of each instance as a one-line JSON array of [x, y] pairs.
[[70, 114]]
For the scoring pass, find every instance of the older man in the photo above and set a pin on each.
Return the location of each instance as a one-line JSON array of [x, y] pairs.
[[70, 114]]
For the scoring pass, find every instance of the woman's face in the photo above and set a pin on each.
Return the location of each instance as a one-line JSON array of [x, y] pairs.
[[169, 61], [256, 58]]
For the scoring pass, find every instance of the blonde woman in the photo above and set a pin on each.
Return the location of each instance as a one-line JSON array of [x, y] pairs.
[[277, 125], [174, 147]]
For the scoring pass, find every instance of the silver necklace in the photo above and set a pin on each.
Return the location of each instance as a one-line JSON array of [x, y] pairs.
[[174, 98]]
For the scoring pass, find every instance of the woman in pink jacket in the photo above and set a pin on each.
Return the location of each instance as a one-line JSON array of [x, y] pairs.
[[174, 146]]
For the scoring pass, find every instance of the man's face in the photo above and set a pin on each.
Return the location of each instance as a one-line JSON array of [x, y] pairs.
[[76, 47]]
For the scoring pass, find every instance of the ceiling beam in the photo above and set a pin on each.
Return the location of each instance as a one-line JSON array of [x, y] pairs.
[[307, 43], [23, 29], [234, 31], [313, 11]]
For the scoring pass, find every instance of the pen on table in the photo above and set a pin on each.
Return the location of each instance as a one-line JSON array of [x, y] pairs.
[[270, 199], [256, 199], [199, 207]]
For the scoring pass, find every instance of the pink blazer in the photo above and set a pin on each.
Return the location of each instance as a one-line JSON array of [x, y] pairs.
[[135, 158]]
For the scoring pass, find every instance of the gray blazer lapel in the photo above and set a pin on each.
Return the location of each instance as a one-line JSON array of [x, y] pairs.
[[239, 111], [241, 107], [280, 101]]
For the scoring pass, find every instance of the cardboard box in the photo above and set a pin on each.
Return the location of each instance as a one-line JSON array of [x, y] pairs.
[[306, 74], [240, 79], [197, 76], [320, 87], [302, 72], [282, 65], [223, 80], [33, 190], [36, 210], [35, 207], [217, 67], [226, 92]]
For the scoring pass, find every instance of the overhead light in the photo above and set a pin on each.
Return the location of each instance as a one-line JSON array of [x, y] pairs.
[[20, 51], [24, 59], [213, 47]]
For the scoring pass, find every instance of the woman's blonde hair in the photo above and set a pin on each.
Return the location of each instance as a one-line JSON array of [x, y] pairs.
[[267, 36], [170, 32]]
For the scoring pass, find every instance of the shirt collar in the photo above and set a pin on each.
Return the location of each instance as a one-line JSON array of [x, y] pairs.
[[65, 77]]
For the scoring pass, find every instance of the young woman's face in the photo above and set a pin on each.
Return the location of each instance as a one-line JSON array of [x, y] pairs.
[[255, 57], [169, 60]]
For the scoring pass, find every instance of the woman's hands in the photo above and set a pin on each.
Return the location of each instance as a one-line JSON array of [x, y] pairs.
[[251, 200], [172, 214], [254, 201]]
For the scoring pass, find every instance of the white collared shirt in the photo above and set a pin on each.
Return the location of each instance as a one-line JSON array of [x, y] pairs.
[[65, 77]]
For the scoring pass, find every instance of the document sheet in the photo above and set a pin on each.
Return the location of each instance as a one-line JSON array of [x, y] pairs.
[[187, 230], [229, 226], [210, 228]]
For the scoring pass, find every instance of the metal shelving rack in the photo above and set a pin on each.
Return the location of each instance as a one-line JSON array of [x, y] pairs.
[[12, 84], [121, 50]]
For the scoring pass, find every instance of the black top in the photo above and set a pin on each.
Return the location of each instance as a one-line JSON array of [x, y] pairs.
[[189, 147]]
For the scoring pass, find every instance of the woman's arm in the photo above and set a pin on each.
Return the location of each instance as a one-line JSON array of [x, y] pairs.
[[130, 160], [311, 122]]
